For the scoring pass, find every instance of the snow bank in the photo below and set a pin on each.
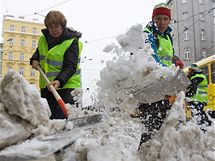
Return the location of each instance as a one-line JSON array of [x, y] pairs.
[[12, 129], [22, 109], [180, 140], [23, 99]]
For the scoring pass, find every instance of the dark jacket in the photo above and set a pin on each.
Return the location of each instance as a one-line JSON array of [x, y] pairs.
[[192, 88], [70, 56]]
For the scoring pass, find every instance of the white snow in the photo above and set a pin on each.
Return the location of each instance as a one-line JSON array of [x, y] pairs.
[[20, 99], [24, 113]]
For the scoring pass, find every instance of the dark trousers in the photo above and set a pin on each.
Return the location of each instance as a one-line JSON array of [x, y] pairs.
[[212, 114], [199, 114], [152, 116], [56, 112]]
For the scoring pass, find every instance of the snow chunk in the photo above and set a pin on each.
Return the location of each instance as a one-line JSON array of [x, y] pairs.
[[23, 99]]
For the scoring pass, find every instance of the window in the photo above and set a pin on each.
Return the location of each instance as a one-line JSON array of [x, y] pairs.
[[186, 35], [11, 28], [34, 30], [184, 15], [183, 1], [204, 53], [33, 72], [10, 56], [10, 41], [34, 44], [22, 57], [202, 34], [23, 29], [201, 16], [22, 43], [21, 70], [187, 53]]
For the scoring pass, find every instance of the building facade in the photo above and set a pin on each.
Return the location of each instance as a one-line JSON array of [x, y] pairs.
[[193, 23], [20, 38], [1, 52]]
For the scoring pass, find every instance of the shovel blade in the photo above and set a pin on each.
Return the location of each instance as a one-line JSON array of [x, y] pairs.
[[88, 120], [157, 91]]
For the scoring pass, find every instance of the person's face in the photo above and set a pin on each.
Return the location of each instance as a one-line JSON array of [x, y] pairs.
[[162, 22], [55, 30]]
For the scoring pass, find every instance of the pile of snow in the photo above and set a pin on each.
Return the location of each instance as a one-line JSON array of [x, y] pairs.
[[22, 109], [180, 140], [132, 69], [117, 138], [20, 99], [23, 113]]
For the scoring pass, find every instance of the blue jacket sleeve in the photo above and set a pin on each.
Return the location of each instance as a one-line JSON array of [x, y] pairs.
[[151, 40]]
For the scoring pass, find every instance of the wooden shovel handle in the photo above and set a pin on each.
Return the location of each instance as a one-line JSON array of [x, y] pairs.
[[59, 100]]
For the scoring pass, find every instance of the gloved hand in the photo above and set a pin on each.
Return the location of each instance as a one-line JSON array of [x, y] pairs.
[[170, 99], [35, 64], [179, 63]]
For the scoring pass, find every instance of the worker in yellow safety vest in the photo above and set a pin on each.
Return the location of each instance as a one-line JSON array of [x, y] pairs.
[[58, 55], [197, 95], [158, 32]]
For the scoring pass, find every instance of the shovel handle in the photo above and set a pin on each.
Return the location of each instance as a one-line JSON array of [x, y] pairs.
[[59, 100]]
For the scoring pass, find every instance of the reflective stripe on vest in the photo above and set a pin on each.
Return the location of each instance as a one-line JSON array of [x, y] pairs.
[[202, 89], [52, 61]]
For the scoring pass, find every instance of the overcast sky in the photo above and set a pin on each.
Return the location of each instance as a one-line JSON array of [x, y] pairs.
[[98, 20]]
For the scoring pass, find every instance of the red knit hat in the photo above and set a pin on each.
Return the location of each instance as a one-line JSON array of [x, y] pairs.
[[161, 9]]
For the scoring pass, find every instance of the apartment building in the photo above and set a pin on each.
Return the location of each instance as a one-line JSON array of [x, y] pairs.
[[20, 38], [1, 47], [193, 23]]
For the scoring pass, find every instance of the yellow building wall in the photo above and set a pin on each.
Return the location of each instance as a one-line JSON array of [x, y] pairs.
[[15, 31]]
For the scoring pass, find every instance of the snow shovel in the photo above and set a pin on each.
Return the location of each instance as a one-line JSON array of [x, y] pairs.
[[59, 100], [170, 85], [80, 121]]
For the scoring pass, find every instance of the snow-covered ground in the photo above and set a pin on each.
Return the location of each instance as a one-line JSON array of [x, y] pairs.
[[24, 115]]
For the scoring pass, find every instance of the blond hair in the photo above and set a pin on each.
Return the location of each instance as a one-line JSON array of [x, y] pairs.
[[55, 17]]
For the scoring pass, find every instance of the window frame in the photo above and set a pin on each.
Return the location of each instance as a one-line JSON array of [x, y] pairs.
[[22, 43], [10, 55], [203, 35], [23, 29], [187, 53], [186, 35], [21, 70], [12, 28], [21, 56]]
